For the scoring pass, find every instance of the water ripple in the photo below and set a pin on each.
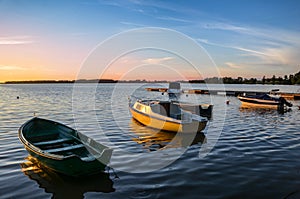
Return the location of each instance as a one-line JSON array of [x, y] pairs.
[[256, 155]]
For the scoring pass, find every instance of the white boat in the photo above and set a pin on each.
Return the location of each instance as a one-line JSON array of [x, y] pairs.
[[165, 115]]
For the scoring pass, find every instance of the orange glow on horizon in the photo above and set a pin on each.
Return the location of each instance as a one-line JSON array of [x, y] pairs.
[[15, 73]]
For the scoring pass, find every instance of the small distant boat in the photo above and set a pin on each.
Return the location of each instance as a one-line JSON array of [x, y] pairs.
[[62, 148], [167, 116], [269, 101]]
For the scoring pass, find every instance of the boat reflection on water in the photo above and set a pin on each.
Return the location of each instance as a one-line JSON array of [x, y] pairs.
[[153, 139], [261, 111], [62, 186]]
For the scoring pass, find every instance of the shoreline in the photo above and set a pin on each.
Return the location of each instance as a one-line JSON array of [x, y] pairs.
[[130, 81]]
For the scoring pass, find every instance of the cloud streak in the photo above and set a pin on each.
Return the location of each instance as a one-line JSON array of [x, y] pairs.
[[225, 26], [233, 65], [11, 68], [15, 40], [157, 60], [274, 53], [132, 24], [205, 41], [175, 19], [276, 35]]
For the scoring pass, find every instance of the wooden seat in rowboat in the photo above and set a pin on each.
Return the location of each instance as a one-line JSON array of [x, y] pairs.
[[88, 158], [67, 148], [58, 141]]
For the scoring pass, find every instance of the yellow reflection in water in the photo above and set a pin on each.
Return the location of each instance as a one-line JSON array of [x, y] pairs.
[[153, 139], [244, 109]]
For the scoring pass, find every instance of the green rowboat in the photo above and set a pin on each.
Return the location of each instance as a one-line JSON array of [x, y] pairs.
[[62, 148]]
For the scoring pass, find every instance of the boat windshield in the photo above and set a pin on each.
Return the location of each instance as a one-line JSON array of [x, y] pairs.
[[162, 108], [167, 109]]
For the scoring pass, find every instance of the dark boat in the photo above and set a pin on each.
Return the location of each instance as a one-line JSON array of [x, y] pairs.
[[62, 148], [268, 101]]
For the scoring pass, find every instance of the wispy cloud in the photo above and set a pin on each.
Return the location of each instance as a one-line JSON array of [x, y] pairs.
[[154, 9], [154, 4], [270, 34], [135, 6], [266, 54], [105, 3], [157, 60], [10, 68], [205, 41], [175, 19], [225, 26], [132, 24], [256, 52], [17, 40], [233, 65]]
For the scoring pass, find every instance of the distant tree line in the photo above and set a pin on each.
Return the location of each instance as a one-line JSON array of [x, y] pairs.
[[62, 81], [287, 80], [39, 82]]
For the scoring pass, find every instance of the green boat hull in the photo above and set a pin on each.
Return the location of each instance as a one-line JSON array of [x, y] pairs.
[[63, 149], [70, 166]]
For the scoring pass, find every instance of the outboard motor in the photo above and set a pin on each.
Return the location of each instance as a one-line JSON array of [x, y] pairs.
[[174, 90], [288, 103], [283, 102], [280, 107]]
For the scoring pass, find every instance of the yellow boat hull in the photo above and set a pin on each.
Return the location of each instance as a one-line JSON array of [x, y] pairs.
[[167, 125], [263, 106]]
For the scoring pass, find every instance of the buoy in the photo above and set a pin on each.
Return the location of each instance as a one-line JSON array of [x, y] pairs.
[[227, 102]]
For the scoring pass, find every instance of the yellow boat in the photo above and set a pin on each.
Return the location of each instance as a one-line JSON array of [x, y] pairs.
[[167, 116]]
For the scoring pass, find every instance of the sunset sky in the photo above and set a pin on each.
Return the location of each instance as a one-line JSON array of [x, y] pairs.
[[48, 39]]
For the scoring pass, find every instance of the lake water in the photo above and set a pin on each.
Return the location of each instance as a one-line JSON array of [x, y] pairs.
[[243, 153]]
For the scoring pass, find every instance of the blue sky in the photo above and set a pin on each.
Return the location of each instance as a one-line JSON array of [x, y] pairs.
[[51, 39]]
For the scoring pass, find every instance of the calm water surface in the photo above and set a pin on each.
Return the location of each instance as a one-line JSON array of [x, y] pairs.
[[256, 154]]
